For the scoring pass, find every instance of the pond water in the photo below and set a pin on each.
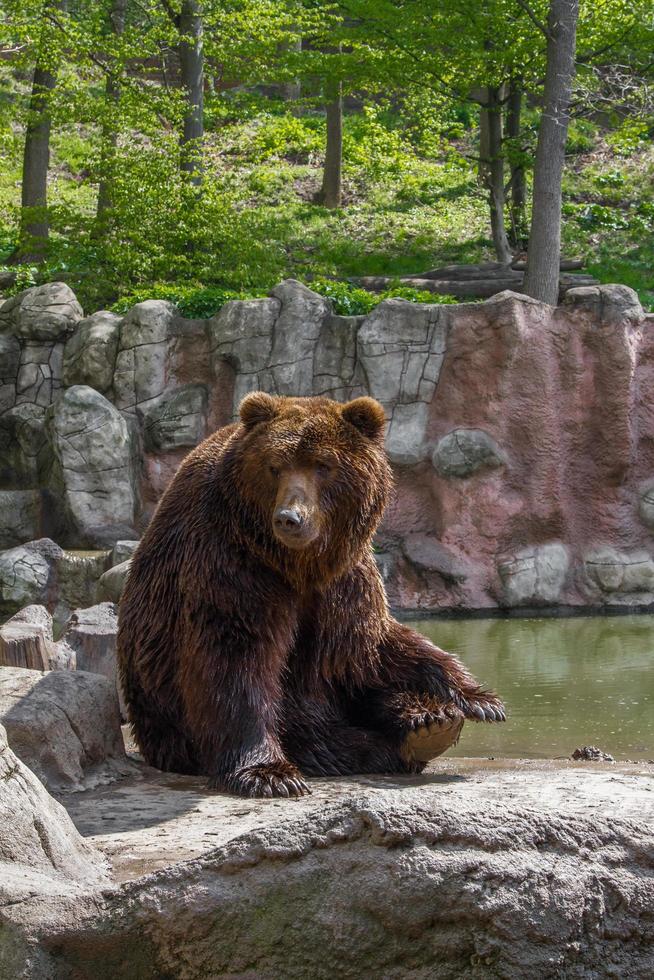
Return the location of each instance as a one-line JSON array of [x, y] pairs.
[[566, 683]]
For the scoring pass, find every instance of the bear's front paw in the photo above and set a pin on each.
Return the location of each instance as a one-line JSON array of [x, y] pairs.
[[481, 707], [267, 781]]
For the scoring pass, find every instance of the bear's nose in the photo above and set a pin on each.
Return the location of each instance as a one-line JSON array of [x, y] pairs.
[[288, 519]]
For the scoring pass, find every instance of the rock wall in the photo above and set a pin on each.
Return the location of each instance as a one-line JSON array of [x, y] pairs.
[[522, 436]]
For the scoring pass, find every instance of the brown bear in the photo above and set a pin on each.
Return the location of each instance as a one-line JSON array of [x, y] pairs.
[[255, 643]]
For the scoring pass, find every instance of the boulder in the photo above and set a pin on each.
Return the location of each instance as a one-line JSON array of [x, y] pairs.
[[28, 575], [78, 575], [91, 635], [425, 552], [534, 576], [646, 504], [9, 361], [176, 419], [122, 550], [502, 870], [609, 304], [112, 583], [143, 354], [22, 442], [463, 452], [93, 476], [241, 333], [37, 835], [401, 347], [26, 640], [64, 725], [614, 571], [19, 516], [48, 312], [90, 354]]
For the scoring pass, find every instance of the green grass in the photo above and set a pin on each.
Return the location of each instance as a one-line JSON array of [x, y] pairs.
[[410, 203]]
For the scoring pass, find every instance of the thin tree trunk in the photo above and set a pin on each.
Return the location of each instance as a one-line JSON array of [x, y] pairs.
[[331, 191], [292, 89], [542, 275], [483, 169], [109, 126], [518, 178], [34, 227], [495, 180], [191, 58]]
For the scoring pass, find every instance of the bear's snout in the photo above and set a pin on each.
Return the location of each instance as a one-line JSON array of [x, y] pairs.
[[294, 519]]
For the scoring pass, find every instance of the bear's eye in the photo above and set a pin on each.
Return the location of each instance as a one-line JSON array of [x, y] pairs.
[[274, 471], [324, 469]]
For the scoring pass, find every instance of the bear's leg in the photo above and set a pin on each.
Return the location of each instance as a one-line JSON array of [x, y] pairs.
[[322, 741], [161, 742], [420, 724], [408, 662], [230, 684]]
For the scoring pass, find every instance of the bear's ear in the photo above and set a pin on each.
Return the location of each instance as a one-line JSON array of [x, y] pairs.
[[257, 407], [366, 415]]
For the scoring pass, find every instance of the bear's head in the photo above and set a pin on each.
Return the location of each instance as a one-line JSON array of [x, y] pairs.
[[316, 472]]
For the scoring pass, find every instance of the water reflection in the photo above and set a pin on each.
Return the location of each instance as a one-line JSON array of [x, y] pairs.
[[565, 682]]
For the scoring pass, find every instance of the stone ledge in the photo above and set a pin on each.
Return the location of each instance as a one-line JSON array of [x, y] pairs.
[[476, 869]]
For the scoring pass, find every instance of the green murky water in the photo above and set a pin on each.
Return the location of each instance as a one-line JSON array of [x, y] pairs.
[[565, 682]]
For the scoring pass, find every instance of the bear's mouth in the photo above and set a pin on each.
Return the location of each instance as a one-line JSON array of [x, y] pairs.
[[295, 537]]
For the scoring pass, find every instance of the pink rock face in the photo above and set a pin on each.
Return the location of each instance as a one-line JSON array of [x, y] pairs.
[[566, 396]]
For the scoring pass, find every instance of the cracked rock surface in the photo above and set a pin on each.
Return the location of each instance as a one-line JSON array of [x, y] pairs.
[[521, 436], [471, 870]]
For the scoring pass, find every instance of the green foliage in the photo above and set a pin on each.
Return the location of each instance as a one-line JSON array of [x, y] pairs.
[[348, 300]]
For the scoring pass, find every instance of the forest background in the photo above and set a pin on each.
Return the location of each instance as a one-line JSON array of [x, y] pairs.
[[203, 151]]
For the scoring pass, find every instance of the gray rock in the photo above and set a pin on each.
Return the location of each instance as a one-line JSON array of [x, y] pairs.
[[22, 445], [295, 337], [140, 373], [470, 872], [38, 840], [646, 504], [78, 574], [176, 419], [122, 550], [405, 438], [35, 615], [28, 575], [427, 553], [47, 312], [401, 347], [463, 452], [614, 571], [91, 635], [336, 373], [93, 476], [534, 576], [19, 516], [64, 725], [112, 583], [241, 335], [9, 362], [26, 640], [90, 354], [609, 304]]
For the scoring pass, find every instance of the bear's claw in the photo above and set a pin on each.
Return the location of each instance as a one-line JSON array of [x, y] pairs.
[[265, 782], [482, 710]]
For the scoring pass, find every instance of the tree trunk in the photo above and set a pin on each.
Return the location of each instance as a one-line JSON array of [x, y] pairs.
[[330, 194], [292, 90], [518, 178], [483, 169], [191, 58], [109, 126], [542, 275], [495, 179], [34, 229], [36, 159]]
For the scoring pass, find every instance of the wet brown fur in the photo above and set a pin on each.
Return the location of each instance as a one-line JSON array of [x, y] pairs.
[[256, 663]]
